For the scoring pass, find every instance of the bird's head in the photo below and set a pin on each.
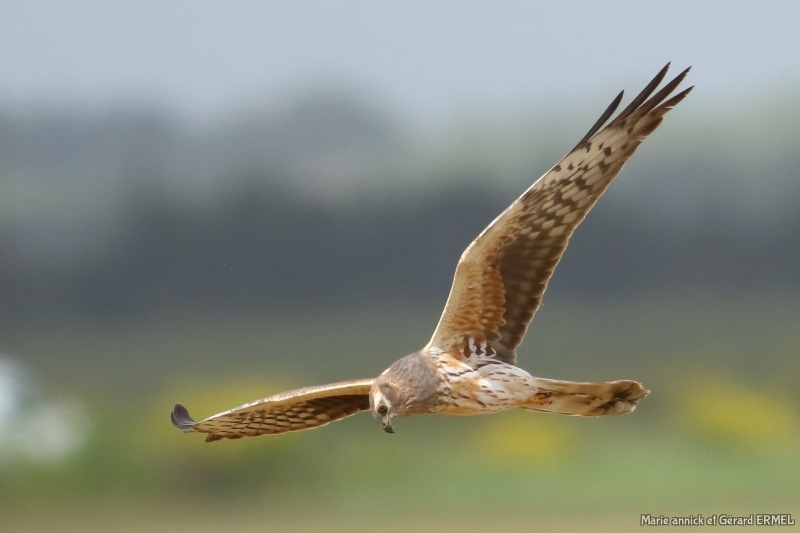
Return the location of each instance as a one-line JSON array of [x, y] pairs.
[[383, 402]]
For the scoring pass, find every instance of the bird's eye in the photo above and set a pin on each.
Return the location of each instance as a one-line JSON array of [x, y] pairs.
[[382, 409]]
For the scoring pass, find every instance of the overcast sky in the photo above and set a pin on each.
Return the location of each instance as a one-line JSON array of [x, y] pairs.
[[425, 60]]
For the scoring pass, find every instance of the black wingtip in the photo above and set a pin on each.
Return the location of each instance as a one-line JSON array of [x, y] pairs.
[[643, 103], [642, 97], [675, 100], [602, 120], [181, 418]]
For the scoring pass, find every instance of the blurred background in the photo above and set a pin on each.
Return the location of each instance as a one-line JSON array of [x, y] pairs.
[[210, 202]]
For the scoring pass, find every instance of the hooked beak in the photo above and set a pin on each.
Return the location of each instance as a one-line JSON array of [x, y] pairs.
[[386, 425]]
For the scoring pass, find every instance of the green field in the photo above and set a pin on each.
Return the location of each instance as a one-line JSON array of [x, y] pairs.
[[719, 434]]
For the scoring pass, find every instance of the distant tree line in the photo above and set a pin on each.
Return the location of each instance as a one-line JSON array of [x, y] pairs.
[[262, 240], [263, 247]]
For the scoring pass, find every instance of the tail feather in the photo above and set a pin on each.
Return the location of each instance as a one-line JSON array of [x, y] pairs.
[[586, 399]]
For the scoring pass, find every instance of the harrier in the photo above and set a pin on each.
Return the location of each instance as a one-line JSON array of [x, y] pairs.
[[469, 365]]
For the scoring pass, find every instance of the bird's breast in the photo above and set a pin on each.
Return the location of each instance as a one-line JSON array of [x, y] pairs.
[[482, 385]]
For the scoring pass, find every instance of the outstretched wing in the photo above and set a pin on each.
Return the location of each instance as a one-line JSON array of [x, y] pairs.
[[502, 275], [294, 410]]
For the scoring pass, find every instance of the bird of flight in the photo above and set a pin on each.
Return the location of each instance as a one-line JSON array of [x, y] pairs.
[[469, 365]]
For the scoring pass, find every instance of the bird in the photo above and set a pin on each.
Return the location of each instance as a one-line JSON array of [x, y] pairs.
[[469, 366]]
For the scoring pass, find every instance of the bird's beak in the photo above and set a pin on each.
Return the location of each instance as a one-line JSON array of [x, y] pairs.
[[386, 424]]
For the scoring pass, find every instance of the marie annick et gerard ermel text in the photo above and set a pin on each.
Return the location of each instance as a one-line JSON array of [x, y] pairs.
[[719, 520]]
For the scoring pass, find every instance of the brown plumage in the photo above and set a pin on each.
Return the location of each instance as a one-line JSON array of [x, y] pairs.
[[503, 274], [306, 408], [469, 365]]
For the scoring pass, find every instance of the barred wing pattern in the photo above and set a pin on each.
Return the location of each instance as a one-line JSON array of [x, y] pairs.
[[295, 410], [502, 275]]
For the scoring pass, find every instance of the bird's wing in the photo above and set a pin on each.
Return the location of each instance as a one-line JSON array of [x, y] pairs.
[[502, 275], [293, 410]]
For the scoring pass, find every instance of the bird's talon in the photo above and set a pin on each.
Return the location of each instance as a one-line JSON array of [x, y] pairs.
[[542, 398]]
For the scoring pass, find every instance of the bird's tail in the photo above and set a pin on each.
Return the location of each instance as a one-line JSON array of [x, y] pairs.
[[585, 399]]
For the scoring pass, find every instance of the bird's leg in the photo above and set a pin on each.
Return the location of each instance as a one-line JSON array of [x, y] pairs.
[[541, 398]]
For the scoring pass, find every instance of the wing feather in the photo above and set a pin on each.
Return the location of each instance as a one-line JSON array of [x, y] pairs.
[[294, 410], [502, 275]]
